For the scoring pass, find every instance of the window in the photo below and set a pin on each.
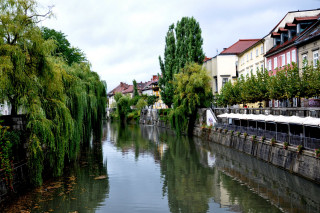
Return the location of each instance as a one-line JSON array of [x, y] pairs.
[[269, 65], [275, 62], [304, 60], [261, 66], [293, 56], [216, 84], [261, 49], [247, 57], [288, 58], [257, 52], [315, 58], [224, 81], [283, 59], [251, 55]]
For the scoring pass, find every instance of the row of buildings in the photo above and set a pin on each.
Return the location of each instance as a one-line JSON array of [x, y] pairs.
[[144, 88], [294, 39]]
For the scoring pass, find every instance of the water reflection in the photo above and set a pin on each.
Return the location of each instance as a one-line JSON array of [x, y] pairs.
[[150, 169]]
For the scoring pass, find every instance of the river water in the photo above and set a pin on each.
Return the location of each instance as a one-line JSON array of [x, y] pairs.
[[150, 169]]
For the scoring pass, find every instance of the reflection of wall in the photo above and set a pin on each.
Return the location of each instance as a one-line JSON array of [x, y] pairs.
[[282, 188]]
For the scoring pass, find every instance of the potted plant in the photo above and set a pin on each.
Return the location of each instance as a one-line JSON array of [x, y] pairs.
[[263, 138], [273, 141], [317, 152], [253, 138], [299, 149], [245, 135], [285, 145]]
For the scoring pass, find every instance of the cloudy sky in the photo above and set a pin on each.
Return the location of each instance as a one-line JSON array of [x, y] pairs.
[[124, 38]]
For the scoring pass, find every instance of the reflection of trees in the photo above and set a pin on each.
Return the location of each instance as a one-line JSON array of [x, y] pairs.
[[187, 183], [79, 189], [131, 137]]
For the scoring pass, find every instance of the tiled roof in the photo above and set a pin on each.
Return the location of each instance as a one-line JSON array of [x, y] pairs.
[[274, 34], [290, 25], [206, 59], [278, 47], [147, 85], [239, 46], [313, 32], [128, 90], [120, 88], [308, 18], [282, 30]]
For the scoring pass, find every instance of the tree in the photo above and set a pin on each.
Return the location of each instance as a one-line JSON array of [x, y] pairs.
[[135, 89], [192, 92], [183, 45], [189, 43], [22, 50], [168, 67], [123, 108], [64, 48], [151, 100]]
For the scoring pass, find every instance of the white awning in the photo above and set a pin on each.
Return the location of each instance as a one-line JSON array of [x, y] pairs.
[[310, 121]]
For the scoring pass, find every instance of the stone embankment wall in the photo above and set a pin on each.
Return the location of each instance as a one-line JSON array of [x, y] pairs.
[[304, 164]]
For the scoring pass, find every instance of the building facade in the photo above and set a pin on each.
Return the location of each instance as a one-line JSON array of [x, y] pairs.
[[252, 59]]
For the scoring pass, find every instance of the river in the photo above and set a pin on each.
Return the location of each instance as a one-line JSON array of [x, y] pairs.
[[150, 169]]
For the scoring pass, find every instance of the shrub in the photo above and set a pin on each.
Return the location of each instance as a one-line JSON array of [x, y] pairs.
[[299, 149], [245, 135], [317, 152], [273, 141]]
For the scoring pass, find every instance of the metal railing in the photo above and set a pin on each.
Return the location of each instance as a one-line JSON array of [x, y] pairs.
[[294, 140]]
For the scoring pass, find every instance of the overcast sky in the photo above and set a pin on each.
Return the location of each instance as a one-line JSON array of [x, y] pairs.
[[123, 39]]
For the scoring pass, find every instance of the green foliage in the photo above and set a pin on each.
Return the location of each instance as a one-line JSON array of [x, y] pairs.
[[5, 156], [123, 107], [141, 104], [183, 46], [135, 89], [134, 100], [151, 100], [64, 104], [70, 54], [168, 67], [117, 96], [192, 92], [286, 84]]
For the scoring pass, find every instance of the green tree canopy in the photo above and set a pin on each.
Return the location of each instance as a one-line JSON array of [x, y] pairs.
[[64, 48], [183, 45], [192, 92]]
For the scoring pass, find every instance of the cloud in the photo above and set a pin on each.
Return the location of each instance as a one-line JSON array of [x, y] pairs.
[[123, 39]]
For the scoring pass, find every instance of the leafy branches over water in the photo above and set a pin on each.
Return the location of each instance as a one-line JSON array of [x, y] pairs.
[[64, 101]]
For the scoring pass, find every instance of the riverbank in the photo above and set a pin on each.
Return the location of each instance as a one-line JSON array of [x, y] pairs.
[[303, 163]]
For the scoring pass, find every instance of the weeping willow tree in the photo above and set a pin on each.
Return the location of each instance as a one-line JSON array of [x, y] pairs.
[[192, 91], [64, 103]]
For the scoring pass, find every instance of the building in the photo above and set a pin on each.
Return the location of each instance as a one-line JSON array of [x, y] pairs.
[[120, 88], [251, 59], [283, 38], [225, 65], [308, 46]]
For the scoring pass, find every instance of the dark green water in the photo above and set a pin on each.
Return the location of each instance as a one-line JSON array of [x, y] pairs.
[[149, 169]]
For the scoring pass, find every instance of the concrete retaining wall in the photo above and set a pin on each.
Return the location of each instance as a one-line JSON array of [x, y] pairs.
[[304, 164]]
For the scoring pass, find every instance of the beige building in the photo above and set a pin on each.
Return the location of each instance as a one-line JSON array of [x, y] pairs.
[[252, 59], [309, 46], [223, 67]]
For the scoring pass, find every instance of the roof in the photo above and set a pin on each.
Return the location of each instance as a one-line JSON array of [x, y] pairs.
[[312, 33], [206, 59], [290, 25], [281, 46], [308, 18], [239, 46], [298, 11], [120, 88], [128, 90]]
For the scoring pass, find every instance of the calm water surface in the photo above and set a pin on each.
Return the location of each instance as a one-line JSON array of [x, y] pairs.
[[149, 169]]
